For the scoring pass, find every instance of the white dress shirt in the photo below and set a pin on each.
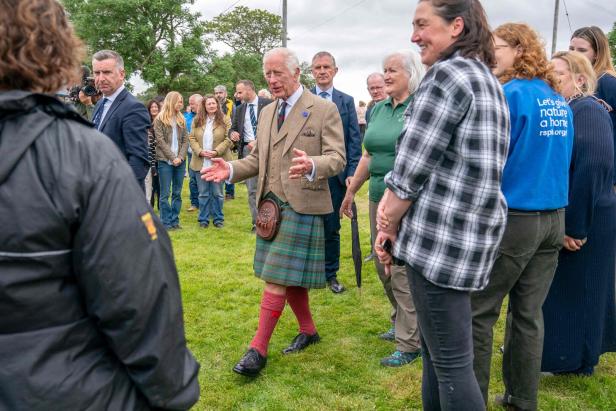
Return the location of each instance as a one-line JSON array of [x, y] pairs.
[[249, 134], [109, 102]]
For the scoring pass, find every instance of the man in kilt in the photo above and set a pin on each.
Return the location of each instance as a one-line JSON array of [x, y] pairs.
[[300, 144]]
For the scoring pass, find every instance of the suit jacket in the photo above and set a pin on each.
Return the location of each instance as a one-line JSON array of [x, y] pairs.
[[314, 126], [164, 134], [126, 123], [221, 144], [240, 116], [352, 136]]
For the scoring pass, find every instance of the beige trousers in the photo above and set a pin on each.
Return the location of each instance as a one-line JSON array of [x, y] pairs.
[[399, 294]]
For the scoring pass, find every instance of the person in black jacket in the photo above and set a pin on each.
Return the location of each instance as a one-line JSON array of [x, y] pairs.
[[89, 293], [243, 131]]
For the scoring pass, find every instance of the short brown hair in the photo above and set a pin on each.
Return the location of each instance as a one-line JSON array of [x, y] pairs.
[[247, 83], [532, 63], [38, 48]]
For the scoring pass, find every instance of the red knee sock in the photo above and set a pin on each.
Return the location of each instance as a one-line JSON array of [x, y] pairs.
[[298, 300], [271, 309]]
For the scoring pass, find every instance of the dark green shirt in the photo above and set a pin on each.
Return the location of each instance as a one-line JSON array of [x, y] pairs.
[[386, 123]]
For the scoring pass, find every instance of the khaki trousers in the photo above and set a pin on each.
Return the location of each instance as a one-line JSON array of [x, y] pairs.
[[399, 294]]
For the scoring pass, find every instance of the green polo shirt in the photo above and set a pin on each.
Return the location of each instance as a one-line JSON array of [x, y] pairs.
[[384, 128]]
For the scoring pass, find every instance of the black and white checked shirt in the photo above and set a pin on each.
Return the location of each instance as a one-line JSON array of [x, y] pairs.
[[449, 163]]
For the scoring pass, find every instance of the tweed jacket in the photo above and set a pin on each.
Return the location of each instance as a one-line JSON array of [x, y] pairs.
[[313, 125], [163, 141], [221, 144]]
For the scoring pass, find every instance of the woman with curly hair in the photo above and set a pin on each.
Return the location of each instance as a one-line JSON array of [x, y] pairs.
[[593, 43], [535, 184]]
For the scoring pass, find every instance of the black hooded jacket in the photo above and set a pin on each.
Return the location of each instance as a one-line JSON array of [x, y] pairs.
[[90, 306]]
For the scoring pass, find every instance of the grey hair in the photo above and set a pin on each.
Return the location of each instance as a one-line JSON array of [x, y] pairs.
[[375, 74], [411, 63], [220, 87], [109, 54], [324, 54], [290, 58]]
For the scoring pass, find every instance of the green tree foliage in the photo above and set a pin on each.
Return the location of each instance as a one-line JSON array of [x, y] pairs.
[[612, 39], [161, 39], [252, 31]]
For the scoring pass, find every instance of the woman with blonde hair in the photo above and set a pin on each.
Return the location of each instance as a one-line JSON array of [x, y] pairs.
[[208, 139], [579, 310], [540, 146], [593, 43], [171, 150]]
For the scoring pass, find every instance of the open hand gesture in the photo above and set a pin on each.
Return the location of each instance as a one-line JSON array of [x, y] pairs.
[[218, 172], [302, 165]]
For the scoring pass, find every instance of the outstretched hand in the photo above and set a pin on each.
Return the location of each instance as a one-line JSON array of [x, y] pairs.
[[218, 172], [302, 164]]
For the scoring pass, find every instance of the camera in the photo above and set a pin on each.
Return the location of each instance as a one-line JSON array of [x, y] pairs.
[[87, 86]]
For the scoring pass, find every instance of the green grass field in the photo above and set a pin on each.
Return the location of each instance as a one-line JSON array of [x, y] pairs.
[[221, 299]]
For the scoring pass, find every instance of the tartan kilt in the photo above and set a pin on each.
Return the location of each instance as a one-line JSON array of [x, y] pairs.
[[296, 256]]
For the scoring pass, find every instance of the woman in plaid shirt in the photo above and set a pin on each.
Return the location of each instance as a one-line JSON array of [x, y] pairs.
[[443, 210]]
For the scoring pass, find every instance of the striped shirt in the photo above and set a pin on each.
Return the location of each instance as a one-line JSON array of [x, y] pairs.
[[449, 163]]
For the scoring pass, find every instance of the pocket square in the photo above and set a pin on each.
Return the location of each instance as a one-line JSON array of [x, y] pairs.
[[309, 133]]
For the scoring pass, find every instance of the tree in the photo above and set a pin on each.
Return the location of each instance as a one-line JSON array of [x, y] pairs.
[[612, 39], [252, 31], [161, 39]]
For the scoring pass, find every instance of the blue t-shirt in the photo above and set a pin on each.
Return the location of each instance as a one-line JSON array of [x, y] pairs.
[[536, 174], [189, 119]]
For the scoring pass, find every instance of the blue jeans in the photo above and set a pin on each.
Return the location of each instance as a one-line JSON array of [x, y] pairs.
[[171, 180], [444, 317], [192, 183], [210, 202]]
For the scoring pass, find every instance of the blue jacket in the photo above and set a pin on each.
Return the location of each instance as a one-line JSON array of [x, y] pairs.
[[352, 136], [536, 175], [126, 123]]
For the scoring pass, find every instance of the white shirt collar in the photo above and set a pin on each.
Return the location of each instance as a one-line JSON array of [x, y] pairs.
[[115, 94], [294, 97], [329, 91], [255, 101]]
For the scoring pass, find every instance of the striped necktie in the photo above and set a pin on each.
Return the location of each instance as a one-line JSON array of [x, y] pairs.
[[99, 114], [281, 113], [253, 119], [324, 94]]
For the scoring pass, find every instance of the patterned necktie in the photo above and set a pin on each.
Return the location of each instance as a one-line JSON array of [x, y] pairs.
[[99, 114], [324, 94], [253, 119], [281, 113]]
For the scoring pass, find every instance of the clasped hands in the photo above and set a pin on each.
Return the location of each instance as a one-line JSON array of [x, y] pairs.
[[220, 170]]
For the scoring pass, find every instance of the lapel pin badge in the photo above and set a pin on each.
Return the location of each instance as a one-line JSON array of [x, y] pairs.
[[305, 114]]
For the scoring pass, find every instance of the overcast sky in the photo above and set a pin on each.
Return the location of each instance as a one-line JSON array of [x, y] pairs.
[[360, 33]]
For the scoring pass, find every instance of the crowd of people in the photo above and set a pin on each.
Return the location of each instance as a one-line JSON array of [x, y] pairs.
[[491, 171]]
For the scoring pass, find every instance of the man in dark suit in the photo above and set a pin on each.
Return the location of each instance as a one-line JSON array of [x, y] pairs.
[[244, 132], [324, 70], [119, 115]]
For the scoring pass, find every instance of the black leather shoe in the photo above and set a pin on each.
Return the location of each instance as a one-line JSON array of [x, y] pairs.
[[335, 286], [300, 342], [251, 363]]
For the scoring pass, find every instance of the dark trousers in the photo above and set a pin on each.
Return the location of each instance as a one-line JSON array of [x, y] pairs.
[[193, 187], [524, 269], [444, 316], [331, 222], [230, 189]]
